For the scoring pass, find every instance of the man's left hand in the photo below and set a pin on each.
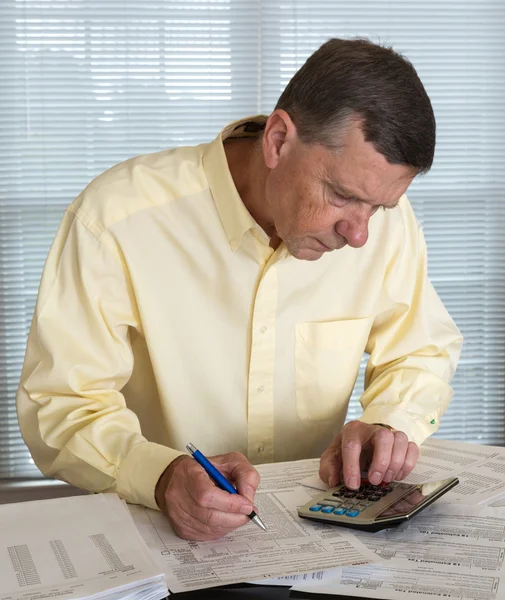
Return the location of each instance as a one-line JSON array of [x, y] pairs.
[[385, 454]]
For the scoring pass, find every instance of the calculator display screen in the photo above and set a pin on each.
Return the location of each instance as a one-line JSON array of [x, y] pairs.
[[412, 499]]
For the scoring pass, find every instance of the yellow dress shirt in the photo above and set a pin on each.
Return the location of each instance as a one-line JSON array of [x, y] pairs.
[[164, 317]]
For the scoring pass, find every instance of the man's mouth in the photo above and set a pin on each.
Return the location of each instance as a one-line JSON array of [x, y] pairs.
[[324, 247]]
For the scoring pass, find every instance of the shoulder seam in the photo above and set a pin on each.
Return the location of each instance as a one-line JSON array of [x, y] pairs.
[[90, 224], [96, 231]]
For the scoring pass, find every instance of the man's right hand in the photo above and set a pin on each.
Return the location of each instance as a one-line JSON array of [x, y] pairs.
[[199, 510]]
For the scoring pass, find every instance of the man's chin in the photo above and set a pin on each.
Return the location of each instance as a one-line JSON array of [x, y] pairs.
[[305, 253]]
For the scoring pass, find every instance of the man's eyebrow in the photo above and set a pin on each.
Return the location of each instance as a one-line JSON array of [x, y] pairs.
[[342, 190]]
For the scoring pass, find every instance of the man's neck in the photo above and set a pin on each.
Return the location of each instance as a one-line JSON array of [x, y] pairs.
[[248, 170]]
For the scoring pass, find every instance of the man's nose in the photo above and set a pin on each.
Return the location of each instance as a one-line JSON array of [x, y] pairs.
[[354, 227]]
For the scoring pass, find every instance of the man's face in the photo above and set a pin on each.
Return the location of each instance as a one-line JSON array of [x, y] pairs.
[[321, 199]]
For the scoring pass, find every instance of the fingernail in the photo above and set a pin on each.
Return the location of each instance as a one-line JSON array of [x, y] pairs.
[[331, 481], [353, 482], [246, 509], [388, 476], [375, 477]]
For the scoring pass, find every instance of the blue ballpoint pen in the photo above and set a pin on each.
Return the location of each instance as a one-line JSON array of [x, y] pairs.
[[219, 479]]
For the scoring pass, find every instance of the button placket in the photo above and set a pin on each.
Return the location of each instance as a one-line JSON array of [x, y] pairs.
[[261, 370]]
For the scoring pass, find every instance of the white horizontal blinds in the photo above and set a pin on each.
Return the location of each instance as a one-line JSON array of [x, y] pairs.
[[86, 84], [458, 49]]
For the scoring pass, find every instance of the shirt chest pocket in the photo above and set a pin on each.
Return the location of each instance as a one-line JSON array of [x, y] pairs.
[[327, 360]]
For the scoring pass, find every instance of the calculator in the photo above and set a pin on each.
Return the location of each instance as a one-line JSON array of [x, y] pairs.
[[374, 507]]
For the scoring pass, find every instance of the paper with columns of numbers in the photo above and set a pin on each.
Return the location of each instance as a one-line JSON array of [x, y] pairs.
[[446, 551], [77, 547], [480, 469], [290, 545]]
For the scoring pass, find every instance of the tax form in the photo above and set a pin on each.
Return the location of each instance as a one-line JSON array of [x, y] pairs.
[[75, 547], [445, 552], [288, 546], [480, 470]]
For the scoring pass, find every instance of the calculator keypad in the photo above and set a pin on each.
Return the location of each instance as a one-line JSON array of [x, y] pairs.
[[351, 502]]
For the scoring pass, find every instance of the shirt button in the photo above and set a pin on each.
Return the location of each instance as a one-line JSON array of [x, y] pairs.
[[261, 388], [263, 329], [260, 448]]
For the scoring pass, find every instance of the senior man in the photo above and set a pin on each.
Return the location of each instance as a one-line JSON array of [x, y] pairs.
[[224, 294]]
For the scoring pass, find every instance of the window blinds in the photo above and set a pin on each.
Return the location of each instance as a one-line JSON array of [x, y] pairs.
[[88, 83]]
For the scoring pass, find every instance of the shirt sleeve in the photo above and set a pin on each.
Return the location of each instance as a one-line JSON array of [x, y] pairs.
[[71, 411], [414, 345]]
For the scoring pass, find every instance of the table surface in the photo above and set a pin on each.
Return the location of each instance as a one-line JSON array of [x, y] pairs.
[[253, 592]]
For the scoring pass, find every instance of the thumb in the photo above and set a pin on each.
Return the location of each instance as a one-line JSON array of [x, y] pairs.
[[247, 482], [330, 467]]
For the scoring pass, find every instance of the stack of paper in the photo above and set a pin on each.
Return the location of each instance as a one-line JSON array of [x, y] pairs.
[[447, 551], [290, 545], [85, 547], [454, 548]]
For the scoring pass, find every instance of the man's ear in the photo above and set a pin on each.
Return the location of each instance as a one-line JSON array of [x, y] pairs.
[[279, 135]]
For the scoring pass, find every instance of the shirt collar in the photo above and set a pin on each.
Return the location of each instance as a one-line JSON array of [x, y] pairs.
[[235, 217]]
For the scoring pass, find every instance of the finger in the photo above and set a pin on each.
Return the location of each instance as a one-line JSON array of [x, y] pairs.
[[243, 475], [398, 454], [217, 520], [382, 442], [330, 466], [205, 495], [410, 461], [192, 523], [351, 452]]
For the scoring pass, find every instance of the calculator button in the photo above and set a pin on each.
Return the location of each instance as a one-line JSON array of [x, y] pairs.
[[315, 507], [374, 498], [360, 496], [340, 511], [349, 494], [327, 509], [352, 513], [359, 507], [333, 501]]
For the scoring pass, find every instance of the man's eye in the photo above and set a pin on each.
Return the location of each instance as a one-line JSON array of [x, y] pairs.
[[340, 199]]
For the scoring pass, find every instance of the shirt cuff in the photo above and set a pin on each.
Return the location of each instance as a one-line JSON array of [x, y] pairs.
[[140, 471], [417, 429]]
